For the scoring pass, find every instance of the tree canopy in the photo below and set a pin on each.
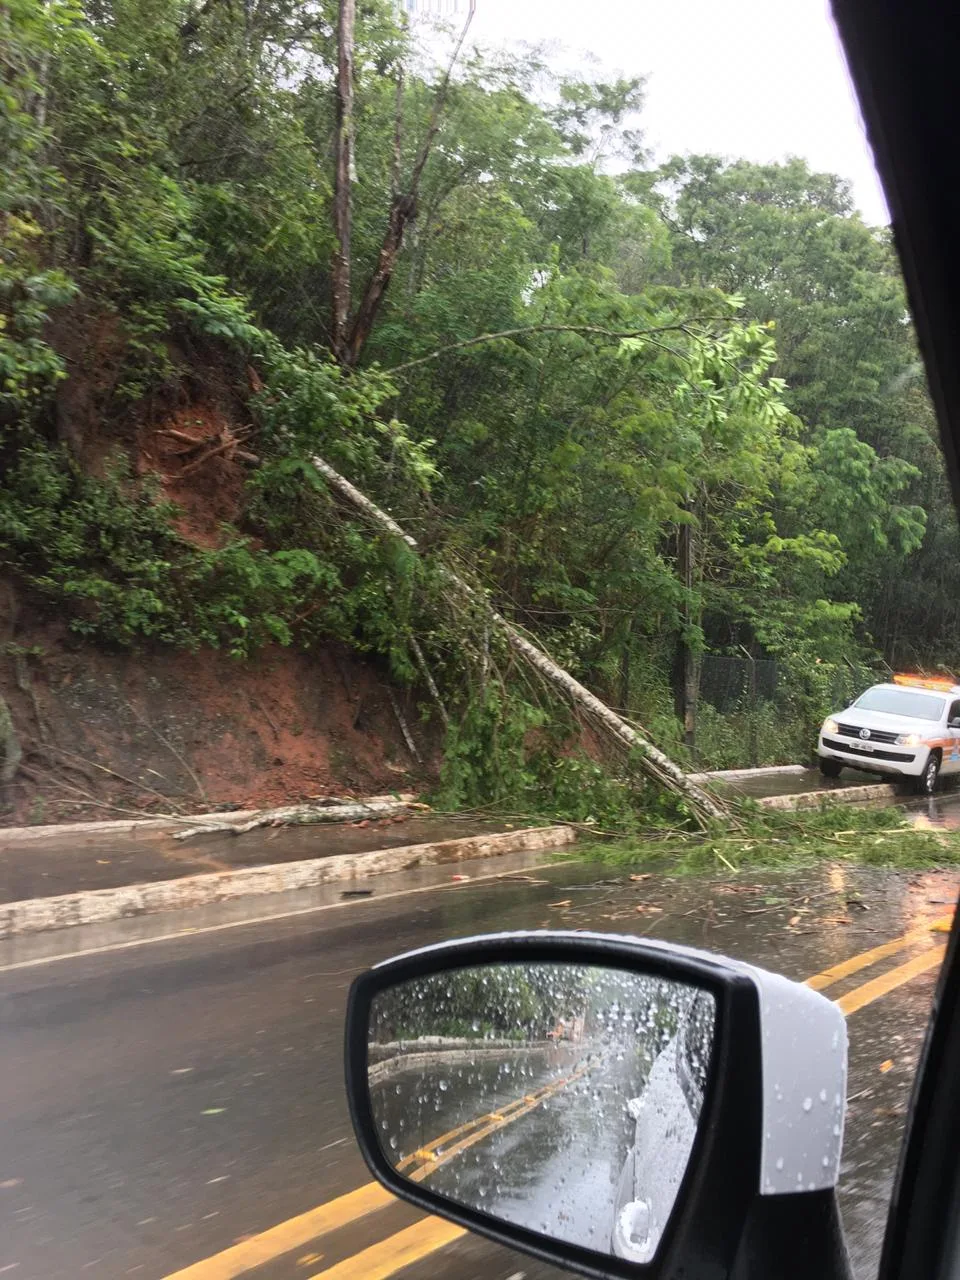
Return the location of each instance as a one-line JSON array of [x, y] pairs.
[[650, 409]]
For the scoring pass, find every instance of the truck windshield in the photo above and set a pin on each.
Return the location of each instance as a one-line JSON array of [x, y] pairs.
[[901, 702]]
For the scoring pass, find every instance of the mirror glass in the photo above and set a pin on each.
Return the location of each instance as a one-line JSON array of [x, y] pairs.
[[561, 1098]]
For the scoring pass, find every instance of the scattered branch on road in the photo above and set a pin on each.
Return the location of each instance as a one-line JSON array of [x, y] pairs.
[[769, 839]]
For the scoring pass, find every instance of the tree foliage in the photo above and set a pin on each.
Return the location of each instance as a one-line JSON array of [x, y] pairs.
[[579, 363]]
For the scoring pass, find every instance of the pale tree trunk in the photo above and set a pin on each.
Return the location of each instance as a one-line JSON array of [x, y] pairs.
[[652, 761], [429, 682], [342, 178]]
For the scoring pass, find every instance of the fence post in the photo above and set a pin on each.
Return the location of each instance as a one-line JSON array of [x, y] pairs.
[[752, 701]]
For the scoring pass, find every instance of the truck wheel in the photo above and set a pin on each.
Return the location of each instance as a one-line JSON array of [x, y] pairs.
[[927, 782], [830, 768]]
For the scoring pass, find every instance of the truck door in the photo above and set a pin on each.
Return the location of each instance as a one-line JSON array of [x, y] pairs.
[[951, 755]]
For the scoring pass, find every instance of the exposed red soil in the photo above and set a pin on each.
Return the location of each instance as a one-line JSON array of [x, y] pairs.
[[166, 731], [104, 732]]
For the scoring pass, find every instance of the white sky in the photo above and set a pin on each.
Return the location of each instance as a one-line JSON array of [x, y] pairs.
[[761, 79]]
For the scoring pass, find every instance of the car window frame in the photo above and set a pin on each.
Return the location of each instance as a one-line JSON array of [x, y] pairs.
[[902, 60]]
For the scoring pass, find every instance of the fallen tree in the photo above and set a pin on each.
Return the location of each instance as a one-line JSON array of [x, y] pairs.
[[650, 760], [305, 815]]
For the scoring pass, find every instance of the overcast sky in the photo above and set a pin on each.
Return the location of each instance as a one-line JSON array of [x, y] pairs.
[[756, 78]]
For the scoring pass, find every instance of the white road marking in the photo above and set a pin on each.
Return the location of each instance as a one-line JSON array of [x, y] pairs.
[[181, 934]]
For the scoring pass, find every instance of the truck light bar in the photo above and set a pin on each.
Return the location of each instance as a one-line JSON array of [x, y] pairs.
[[941, 683]]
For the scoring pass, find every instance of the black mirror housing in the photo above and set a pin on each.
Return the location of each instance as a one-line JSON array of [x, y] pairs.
[[732, 1169]]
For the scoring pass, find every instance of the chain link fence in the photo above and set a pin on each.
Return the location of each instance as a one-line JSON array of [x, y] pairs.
[[751, 712], [725, 682]]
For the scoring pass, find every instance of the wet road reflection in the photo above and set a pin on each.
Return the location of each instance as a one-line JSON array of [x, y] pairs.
[[940, 811]]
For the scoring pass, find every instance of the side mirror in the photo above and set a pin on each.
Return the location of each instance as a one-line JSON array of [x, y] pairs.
[[955, 722], [615, 1106]]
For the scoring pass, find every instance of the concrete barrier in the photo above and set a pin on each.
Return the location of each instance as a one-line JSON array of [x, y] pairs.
[[739, 775]]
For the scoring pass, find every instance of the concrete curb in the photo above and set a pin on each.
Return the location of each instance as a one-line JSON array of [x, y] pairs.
[[732, 775], [840, 795], [225, 818], [99, 906]]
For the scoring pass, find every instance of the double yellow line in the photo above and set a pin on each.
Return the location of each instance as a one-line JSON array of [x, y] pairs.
[[403, 1248], [859, 997]]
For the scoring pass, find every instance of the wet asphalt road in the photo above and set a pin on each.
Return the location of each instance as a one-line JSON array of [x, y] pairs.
[[161, 1102]]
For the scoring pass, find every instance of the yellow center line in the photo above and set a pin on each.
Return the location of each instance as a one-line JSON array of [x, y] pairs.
[[394, 1253], [429, 1154], [867, 958], [429, 1150], [425, 1237], [292, 1234], [887, 982]]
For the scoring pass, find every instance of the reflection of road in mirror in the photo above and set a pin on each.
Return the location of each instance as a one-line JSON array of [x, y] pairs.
[[560, 1098]]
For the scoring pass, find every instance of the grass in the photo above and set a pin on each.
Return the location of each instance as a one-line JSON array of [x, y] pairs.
[[778, 841]]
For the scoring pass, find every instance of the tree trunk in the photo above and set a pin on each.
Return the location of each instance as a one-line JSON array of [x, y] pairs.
[[652, 761], [11, 752], [403, 210], [343, 168], [403, 207], [625, 654]]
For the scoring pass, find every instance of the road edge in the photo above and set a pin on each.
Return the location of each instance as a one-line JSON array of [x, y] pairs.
[[102, 906]]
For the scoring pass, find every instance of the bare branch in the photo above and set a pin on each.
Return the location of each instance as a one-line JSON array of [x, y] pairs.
[[613, 335], [397, 136], [439, 103]]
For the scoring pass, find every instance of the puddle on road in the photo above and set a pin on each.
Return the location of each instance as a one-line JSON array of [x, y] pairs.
[[935, 813]]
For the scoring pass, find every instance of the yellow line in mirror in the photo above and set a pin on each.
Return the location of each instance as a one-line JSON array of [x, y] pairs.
[[496, 1121], [429, 1150]]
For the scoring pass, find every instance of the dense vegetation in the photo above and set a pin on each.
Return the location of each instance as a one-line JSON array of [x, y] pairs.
[[655, 411]]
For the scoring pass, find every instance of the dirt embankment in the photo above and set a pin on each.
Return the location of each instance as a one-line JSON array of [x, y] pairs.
[[159, 732]]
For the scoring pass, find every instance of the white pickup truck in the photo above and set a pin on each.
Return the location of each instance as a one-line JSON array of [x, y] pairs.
[[909, 729]]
